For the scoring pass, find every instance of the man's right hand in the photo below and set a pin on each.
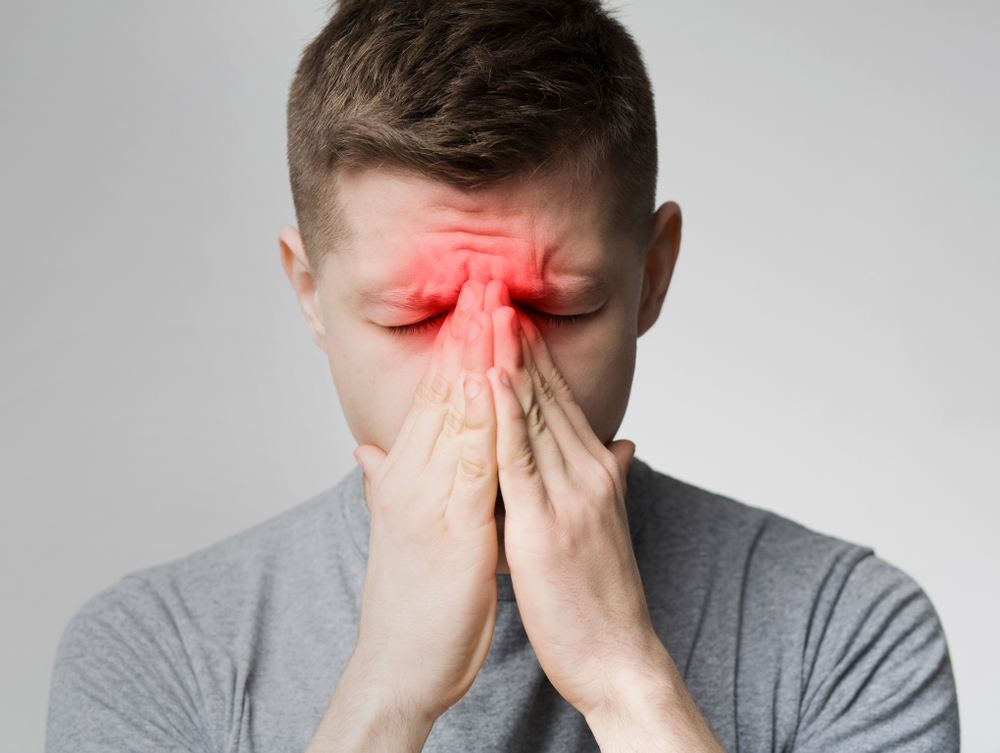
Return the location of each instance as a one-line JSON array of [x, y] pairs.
[[430, 597]]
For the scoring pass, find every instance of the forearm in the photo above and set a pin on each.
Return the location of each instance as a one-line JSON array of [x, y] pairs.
[[648, 708], [365, 715]]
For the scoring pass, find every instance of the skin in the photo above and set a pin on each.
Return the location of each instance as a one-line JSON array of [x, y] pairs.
[[489, 394]]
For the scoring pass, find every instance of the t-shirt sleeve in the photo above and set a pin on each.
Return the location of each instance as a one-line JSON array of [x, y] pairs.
[[123, 681], [879, 677]]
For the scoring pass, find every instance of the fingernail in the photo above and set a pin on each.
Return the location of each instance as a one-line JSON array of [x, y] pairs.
[[505, 295], [468, 298], [504, 378], [472, 388], [474, 329]]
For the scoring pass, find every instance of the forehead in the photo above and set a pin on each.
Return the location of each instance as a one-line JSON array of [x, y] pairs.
[[409, 237]]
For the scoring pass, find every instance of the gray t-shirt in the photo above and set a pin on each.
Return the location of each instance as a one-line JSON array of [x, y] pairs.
[[788, 640]]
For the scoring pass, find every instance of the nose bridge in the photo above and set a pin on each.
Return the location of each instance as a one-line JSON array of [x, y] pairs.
[[485, 267], [516, 268]]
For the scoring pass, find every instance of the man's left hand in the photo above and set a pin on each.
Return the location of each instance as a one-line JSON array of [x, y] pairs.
[[570, 554]]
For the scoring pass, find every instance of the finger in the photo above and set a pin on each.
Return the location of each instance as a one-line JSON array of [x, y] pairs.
[[420, 395], [507, 339], [496, 296], [568, 422], [371, 459], [478, 354], [517, 468], [624, 451], [470, 300], [474, 493], [509, 352], [538, 361], [532, 384], [436, 398], [440, 400], [434, 361], [441, 427]]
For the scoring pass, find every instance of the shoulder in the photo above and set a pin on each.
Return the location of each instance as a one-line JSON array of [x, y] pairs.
[[840, 649], [285, 553], [288, 541], [159, 657], [773, 570], [683, 523]]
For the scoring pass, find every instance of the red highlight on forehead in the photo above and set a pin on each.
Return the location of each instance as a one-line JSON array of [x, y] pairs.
[[442, 261], [416, 241]]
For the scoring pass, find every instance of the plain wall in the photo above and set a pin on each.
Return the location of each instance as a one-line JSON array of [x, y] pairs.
[[828, 349]]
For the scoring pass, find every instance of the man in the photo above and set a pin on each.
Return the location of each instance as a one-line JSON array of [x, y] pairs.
[[479, 252]]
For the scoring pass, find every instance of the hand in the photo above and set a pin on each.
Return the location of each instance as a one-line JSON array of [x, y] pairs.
[[566, 533], [429, 600], [570, 555]]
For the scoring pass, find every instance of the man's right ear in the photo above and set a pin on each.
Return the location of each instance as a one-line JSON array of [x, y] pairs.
[[296, 264]]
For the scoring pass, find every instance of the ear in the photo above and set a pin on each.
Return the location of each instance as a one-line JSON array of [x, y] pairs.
[[660, 260], [296, 264]]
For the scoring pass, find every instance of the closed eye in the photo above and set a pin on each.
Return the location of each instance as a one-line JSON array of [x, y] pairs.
[[421, 326], [417, 327], [559, 321]]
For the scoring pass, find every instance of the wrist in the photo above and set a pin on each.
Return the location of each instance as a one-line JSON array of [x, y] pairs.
[[367, 712], [646, 706]]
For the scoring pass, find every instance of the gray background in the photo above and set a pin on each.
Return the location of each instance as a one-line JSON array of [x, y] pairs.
[[827, 349]]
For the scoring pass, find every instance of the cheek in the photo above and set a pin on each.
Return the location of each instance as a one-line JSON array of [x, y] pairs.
[[375, 382]]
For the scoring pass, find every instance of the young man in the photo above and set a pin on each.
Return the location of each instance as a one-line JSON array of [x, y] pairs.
[[478, 253]]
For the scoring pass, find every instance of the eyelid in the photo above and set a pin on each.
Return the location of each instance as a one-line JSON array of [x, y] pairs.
[[556, 319], [416, 327], [410, 329]]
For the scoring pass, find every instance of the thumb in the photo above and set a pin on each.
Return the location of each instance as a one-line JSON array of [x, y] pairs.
[[474, 492], [624, 451], [369, 457]]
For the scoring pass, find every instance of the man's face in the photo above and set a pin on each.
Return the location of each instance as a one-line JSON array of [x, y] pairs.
[[412, 242]]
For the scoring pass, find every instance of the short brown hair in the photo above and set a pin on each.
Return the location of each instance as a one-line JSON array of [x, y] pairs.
[[472, 92]]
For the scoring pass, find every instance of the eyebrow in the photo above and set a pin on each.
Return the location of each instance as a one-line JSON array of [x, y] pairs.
[[564, 294], [409, 300]]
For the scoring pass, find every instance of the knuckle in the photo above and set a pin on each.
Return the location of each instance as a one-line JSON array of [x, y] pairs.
[[472, 469], [560, 387], [603, 484], [437, 392], [523, 460], [545, 392], [420, 394], [606, 484], [608, 460], [535, 419], [454, 425], [542, 386]]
